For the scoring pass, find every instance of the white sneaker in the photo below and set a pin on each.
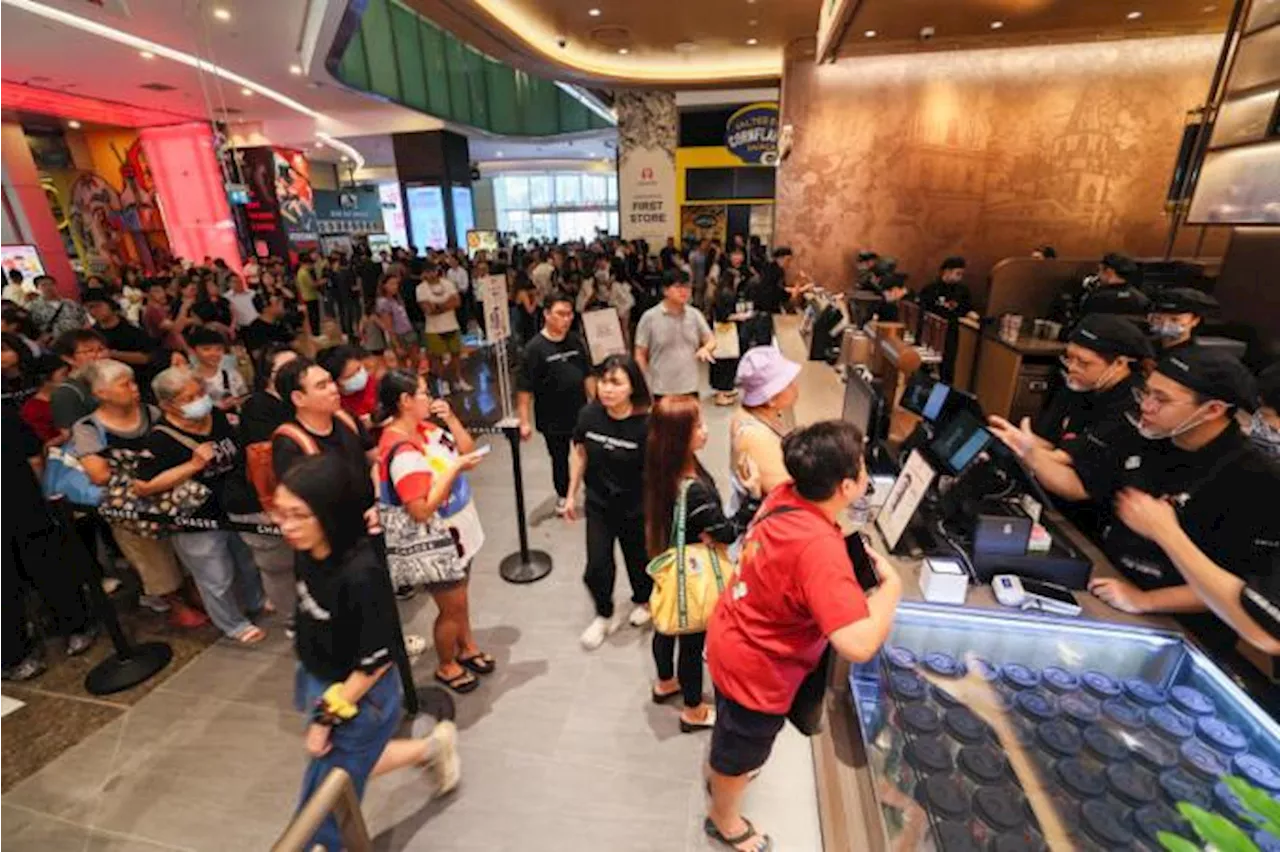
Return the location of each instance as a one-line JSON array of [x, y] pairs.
[[155, 603], [444, 766], [593, 636], [562, 506], [640, 616]]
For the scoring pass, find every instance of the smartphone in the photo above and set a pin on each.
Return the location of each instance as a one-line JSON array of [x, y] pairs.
[[482, 450], [1050, 597], [863, 570]]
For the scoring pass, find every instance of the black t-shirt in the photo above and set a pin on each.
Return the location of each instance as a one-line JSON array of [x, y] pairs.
[[555, 372], [350, 446], [126, 337], [346, 616], [1071, 416], [260, 415], [214, 311], [769, 292], [257, 334], [224, 475], [25, 512], [1261, 598], [615, 459]]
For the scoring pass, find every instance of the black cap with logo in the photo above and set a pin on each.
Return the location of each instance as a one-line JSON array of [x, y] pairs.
[[1110, 335], [1212, 373]]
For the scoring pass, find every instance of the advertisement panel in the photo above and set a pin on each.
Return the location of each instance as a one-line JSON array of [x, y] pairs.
[[751, 133], [426, 217], [295, 200], [647, 137], [464, 217], [705, 222], [266, 229], [393, 214]]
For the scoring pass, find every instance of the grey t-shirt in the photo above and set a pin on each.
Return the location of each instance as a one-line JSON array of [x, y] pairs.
[[673, 340], [90, 437]]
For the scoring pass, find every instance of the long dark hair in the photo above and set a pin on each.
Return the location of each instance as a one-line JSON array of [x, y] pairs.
[[668, 453], [266, 358], [640, 397], [324, 483], [395, 384]]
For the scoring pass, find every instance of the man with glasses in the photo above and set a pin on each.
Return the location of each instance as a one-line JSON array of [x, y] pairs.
[[1189, 458], [671, 339], [1088, 412], [73, 399]]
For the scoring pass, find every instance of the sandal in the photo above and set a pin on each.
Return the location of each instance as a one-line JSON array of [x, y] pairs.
[[765, 844], [479, 662], [251, 635], [461, 683], [663, 697]]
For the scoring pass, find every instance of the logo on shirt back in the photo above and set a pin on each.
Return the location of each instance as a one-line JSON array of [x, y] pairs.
[[611, 443]]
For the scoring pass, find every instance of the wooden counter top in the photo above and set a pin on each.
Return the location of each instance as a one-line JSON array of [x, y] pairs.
[[1033, 346]]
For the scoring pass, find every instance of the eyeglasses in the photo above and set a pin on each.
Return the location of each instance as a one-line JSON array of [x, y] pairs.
[[1159, 400], [1070, 361]]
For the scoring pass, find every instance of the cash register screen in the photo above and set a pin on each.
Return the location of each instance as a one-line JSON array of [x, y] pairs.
[[925, 396], [859, 403], [959, 442]]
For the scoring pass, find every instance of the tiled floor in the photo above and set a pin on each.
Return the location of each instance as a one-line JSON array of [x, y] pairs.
[[562, 749]]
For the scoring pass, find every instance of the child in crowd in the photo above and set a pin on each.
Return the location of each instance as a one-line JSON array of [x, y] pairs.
[[221, 376]]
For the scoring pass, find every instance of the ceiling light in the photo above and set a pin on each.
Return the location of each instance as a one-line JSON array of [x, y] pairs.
[[345, 158], [752, 22], [247, 92], [753, 41], [623, 51], [995, 25], [146, 54], [1133, 16], [751, 2], [87, 25], [870, 34], [295, 69], [595, 13], [319, 144], [221, 14], [1212, 7], [499, 153], [73, 124]]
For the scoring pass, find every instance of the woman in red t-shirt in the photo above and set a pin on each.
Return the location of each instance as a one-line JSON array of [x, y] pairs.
[[356, 388], [48, 371], [795, 592]]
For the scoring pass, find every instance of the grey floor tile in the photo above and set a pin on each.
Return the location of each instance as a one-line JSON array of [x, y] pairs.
[[29, 831], [70, 786], [232, 673]]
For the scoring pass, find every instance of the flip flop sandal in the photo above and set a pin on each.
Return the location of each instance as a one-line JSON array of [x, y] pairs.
[[663, 697], [765, 844], [461, 683], [479, 662], [251, 635]]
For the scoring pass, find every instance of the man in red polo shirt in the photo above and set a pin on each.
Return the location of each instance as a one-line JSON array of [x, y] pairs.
[[795, 592]]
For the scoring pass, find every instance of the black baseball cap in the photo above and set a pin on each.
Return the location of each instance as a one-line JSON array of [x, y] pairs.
[[1123, 265], [1213, 373], [1110, 335], [1183, 300], [867, 255], [953, 262]]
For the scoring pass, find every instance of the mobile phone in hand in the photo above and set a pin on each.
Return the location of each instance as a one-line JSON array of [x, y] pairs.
[[863, 569]]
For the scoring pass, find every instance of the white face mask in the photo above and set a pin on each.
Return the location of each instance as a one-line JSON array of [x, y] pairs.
[[1264, 436], [1080, 387], [1171, 330], [1160, 434]]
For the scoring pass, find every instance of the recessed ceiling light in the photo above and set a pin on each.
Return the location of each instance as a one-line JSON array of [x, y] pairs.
[[1133, 16], [222, 14], [295, 69], [499, 153], [751, 2], [753, 22], [146, 54], [870, 34], [247, 92], [319, 144], [595, 13], [623, 51], [995, 25], [753, 41], [345, 158], [73, 124]]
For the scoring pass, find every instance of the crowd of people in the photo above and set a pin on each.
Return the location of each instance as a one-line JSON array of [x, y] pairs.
[[159, 424]]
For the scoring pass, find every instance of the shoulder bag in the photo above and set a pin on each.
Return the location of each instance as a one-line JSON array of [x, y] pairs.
[[183, 500], [418, 552], [688, 579]]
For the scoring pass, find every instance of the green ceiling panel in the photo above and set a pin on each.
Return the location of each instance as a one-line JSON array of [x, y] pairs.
[[397, 54], [413, 78]]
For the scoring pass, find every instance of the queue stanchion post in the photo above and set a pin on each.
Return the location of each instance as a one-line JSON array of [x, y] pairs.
[[130, 664], [525, 565]]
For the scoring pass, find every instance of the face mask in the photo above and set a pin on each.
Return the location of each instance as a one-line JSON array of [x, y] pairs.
[[1265, 436], [198, 409], [356, 383], [1080, 387], [1160, 434], [602, 276], [1171, 330]]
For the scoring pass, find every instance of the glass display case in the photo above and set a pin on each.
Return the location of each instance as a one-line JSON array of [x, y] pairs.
[[996, 730]]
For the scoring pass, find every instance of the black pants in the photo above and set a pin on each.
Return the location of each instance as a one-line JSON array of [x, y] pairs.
[[690, 668], [349, 312], [604, 527], [50, 563], [558, 447], [313, 316]]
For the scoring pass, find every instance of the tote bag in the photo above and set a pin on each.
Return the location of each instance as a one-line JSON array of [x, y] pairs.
[[418, 552], [688, 579]]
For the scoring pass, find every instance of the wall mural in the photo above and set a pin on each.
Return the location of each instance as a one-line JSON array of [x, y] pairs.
[[985, 153]]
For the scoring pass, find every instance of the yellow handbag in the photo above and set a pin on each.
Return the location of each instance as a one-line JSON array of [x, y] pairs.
[[687, 579]]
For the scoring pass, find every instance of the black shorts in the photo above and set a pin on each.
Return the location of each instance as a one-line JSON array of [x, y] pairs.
[[742, 738]]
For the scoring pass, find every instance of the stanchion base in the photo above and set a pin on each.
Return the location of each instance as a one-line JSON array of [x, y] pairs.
[[435, 704], [516, 569], [117, 673]]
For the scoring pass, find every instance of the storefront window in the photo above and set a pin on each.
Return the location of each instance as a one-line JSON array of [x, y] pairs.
[[561, 206]]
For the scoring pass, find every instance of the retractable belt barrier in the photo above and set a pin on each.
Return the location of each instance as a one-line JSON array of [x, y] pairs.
[[171, 522]]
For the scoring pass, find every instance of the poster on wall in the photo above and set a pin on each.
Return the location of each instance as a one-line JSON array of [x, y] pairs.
[[294, 198], [426, 217], [266, 229], [647, 137], [705, 222], [393, 214], [497, 308], [24, 258], [751, 133], [352, 210], [464, 217]]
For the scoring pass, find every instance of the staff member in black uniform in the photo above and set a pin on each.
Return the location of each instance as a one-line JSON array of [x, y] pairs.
[[1088, 413], [554, 384], [1175, 315], [1189, 452], [947, 296], [1107, 292]]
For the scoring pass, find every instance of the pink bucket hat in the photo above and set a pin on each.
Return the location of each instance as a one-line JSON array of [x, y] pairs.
[[763, 373]]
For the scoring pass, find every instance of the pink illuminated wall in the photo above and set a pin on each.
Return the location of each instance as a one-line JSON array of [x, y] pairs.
[[191, 191]]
